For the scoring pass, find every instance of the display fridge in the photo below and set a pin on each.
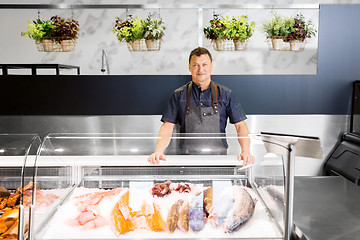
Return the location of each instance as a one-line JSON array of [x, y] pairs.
[[102, 186]]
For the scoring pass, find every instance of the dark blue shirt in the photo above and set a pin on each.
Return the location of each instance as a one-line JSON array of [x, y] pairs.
[[229, 106]]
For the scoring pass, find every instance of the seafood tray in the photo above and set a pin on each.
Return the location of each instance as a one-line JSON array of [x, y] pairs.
[[195, 209]]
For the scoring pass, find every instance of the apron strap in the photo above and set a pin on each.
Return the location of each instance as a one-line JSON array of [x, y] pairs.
[[214, 97], [188, 98]]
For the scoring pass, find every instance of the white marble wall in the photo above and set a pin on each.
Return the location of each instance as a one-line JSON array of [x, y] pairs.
[[272, 2], [183, 33]]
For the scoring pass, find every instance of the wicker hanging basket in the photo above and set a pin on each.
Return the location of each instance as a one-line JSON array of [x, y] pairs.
[[55, 45], [229, 45], [153, 45], [240, 46], [144, 45], [279, 44], [295, 45]]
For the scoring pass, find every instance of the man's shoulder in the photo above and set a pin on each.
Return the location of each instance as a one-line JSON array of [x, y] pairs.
[[181, 89], [223, 88]]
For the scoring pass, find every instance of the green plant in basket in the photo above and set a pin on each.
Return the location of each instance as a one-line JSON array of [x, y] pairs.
[[277, 29], [128, 30], [239, 28], [277, 26], [153, 28], [216, 29], [65, 28], [300, 29], [39, 29]]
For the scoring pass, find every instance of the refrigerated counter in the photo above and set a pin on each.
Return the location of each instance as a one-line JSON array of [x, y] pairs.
[[82, 186], [100, 186]]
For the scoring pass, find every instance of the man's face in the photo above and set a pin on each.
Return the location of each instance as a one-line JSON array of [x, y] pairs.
[[200, 68]]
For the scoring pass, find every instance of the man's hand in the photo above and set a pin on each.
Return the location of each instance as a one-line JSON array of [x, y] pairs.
[[247, 158], [154, 159]]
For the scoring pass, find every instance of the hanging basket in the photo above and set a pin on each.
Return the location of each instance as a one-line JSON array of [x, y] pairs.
[[278, 44], [67, 45], [48, 45], [240, 46], [296, 45], [136, 45], [229, 45], [144, 45], [153, 45], [223, 45], [55, 45]]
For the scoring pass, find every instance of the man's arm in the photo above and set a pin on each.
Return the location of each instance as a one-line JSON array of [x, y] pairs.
[[244, 141], [165, 133]]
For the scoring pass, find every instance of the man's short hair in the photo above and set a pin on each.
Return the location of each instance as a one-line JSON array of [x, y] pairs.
[[200, 51]]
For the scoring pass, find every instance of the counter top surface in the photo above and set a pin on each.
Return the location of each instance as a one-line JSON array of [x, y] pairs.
[[327, 208]]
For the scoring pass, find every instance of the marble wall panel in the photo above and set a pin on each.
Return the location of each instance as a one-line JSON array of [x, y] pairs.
[[183, 33]]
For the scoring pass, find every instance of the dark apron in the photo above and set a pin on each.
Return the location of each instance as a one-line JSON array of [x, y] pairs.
[[202, 122]]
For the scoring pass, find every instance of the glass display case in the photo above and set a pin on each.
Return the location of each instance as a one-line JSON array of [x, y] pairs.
[[101, 186], [17, 157]]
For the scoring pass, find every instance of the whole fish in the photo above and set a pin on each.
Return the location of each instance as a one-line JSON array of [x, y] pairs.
[[241, 211], [173, 216]]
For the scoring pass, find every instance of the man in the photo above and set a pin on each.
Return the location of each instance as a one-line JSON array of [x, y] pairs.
[[201, 107]]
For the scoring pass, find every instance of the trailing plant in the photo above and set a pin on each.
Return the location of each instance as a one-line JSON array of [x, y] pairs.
[[278, 26], [216, 29], [300, 30], [39, 29], [65, 28], [153, 28], [128, 30]]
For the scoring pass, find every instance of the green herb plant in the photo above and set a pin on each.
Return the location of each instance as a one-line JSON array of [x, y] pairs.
[[300, 29], [239, 28], [224, 28], [39, 29], [153, 28], [128, 30], [278, 26]]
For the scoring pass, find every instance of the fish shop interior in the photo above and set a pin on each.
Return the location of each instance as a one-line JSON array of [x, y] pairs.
[[164, 119]]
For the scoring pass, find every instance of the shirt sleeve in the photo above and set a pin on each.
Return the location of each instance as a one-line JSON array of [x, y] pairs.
[[171, 111], [235, 111]]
